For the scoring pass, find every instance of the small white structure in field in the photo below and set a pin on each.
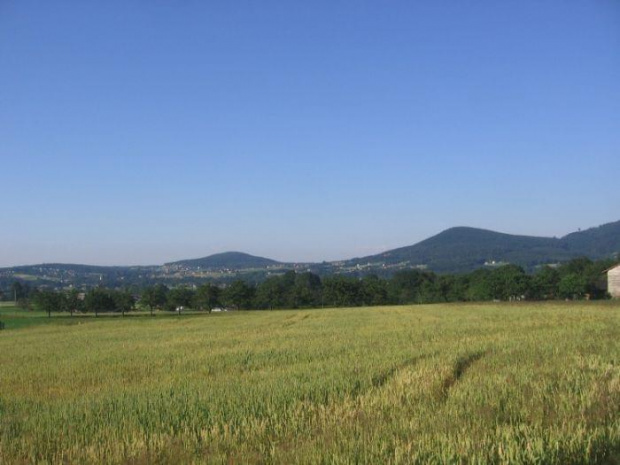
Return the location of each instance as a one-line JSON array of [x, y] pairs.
[[613, 281]]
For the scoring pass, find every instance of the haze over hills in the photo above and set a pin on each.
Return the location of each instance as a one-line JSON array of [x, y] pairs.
[[455, 250]]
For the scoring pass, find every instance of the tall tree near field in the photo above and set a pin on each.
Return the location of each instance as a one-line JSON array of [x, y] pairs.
[[341, 291], [207, 297], [123, 301], [73, 302], [271, 293], [179, 297], [544, 284], [20, 291], [99, 300], [374, 291], [49, 301], [509, 281], [154, 297], [572, 286], [239, 295], [479, 286], [405, 286], [306, 290]]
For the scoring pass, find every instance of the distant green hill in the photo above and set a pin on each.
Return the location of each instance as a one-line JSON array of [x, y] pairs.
[[455, 250], [463, 249], [597, 242], [228, 260]]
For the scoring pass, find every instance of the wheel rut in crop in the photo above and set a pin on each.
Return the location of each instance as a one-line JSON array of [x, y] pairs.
[[462, 365], [294, 319], [382, 378]]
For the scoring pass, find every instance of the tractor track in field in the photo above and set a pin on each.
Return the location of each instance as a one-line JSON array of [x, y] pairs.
[[294, 319], [383, 378], [462, 365]]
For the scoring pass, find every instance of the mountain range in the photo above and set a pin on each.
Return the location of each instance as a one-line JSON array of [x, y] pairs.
[[455, 250], [463, 249]]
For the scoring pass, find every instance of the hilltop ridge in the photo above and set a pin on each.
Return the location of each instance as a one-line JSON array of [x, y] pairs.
[[230, 260], [459, 249], [462, 249]]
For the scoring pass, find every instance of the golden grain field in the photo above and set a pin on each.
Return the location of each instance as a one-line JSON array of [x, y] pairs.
[[475, 383]]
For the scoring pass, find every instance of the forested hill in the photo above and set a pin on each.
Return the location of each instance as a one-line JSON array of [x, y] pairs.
[[456, 250], [230, 260], [595, 242], [463, 249]]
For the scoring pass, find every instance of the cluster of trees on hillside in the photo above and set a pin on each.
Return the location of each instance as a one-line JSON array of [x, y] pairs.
[[577, 279]]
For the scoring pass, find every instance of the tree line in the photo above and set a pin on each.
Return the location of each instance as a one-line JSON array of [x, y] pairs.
[[578, 279]]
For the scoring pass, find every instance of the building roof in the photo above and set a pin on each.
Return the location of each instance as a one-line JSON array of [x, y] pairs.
[[612, 268]]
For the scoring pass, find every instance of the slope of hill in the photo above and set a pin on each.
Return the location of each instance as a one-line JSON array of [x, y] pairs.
[[228, 260], [463, 249], [455, 250], [595, 242]]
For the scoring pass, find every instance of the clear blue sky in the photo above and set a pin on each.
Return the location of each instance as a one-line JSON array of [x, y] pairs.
[[139, 132]]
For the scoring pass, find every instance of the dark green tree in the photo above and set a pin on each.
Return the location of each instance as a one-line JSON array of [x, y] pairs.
[[341, 291], [573, 286], [430, 290], [479, 286], [271, 293], [73, 302], [544, 284], [373, 291], [179, 298], [123, 301], [509, 282], [453, 288], [405, 286], [578, 266], [49, 301], [99, 300], [20, 292], [238, 295], [582, 277], [207, 297], [306, 291], [154, 297]]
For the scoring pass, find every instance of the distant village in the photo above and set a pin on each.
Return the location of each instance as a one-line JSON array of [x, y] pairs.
[[65, 277]]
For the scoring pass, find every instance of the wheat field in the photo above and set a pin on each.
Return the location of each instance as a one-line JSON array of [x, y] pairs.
[[459, 383]]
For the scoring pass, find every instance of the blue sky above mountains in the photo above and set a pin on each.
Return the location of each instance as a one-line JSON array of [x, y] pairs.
[[144, 132]]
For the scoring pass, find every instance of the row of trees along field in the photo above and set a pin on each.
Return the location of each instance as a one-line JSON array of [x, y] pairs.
[[579, 279]]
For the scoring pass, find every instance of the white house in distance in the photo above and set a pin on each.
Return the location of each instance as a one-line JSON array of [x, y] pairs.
[[613, 281]]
